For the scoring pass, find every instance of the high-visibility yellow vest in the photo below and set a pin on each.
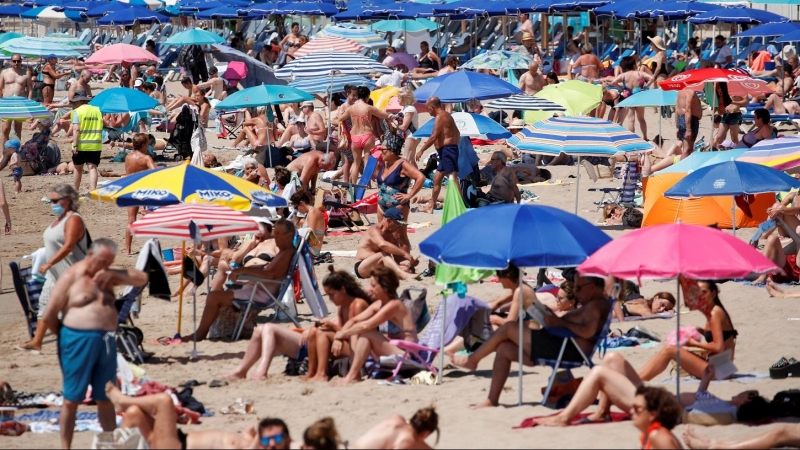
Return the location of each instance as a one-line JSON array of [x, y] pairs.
[[90, 135]]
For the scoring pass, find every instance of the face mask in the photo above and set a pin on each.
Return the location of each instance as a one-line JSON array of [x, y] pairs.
[[239, 173], [57, 209]]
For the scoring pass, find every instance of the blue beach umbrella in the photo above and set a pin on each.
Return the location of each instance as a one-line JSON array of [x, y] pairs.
[[85, 5], [793, 36], [470, 125], [293, 8], [21, 108], [28, 46], [122, 100], [195, 36], [525, 102], [10, 35], [329, 85], [462, 86], [53, 13], [772, 29], [377, 10], [111, 7], [12, 11], [677, 10], [223, 12], [132, 15], [737, 15], [263, 95], [650, 97]]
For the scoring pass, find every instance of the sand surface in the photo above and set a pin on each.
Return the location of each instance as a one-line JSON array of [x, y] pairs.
[[765, 325]]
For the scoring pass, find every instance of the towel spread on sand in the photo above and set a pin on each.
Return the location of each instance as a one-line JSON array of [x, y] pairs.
[[533, 421], [544, 183], [640, 318]]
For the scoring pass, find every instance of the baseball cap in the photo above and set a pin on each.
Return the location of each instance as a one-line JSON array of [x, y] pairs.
[[13, 143], [300, 120], [138, 82], [394, 214], [51, 56], [308, 103]]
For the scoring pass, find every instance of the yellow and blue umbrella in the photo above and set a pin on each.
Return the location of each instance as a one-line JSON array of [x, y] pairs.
[[186, 183], [22, 108]]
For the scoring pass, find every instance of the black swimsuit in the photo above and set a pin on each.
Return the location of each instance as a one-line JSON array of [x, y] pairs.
[[262, 256]]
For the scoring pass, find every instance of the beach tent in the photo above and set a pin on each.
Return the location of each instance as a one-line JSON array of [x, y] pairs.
[[700, 211]]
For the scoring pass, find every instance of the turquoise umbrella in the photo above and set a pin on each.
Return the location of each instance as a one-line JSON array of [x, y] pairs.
[[22, 108], [263, 95], [10, 35], [29, 46], [498, 60], [123, 100], [194, 37], [650, 97], [412, 25]]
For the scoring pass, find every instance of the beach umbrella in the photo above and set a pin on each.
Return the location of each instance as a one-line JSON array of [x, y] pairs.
[[405, 25], [578, 97], [54, 13], [355, 33], [578, 136], [650, 97], [223, 12], [524, 102], [676, 10], [84, 5], [327, 62], [196, 222], [108, 8], [257, 72], [356, 12], [185, 183], [734, 179], [131, 16], [463, 86], [381, 97], [792, 36], [146, 3], [780, 154], [194, 36], [264, 95], [330, 84], [528, 236], [19, 108], [329, 43], [478, 7], [470, 125], [676, 250], [12, 11], [117, 53], [292, 8], [9, 35], [772, 29], [737, 15], [29, 46], [498, 60], [122, 100], [403, 58], [68, 41], [739, 82]]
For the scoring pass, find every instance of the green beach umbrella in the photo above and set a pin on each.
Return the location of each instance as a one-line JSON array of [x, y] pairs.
[[579, 97]]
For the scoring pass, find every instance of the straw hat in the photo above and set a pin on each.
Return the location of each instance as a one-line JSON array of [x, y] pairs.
[[516, 124], [658, 42], [527, 36], [788, 52]]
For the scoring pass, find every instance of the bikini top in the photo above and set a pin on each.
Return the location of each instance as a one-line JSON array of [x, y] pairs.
[[301, 143], [725, 335], [395, 179], [266, 257], [644, 439]]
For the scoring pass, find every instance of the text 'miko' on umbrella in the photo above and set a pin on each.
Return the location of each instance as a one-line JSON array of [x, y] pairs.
[[21, 108], [325, 62]]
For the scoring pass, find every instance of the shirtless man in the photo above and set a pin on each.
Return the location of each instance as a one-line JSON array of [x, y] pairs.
[[381, 245], [81, 86], [15, 81], [504, 185], [291, 42], [398, 432], [531, 81], [315, 125], [689, 112], [136, 161], [308, 166], [50, 76], [84, 297], [215, 83], [156, 418], [445, 137]]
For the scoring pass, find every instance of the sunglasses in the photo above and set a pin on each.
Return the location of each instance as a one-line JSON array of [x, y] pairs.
[[56, 200], [16, 60], [277, 439]]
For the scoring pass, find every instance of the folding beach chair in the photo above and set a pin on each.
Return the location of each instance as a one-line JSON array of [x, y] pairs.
[[358, 206], [229, 123], [27, 289]]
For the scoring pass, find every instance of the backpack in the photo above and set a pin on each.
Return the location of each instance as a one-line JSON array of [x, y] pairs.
[[50, 156], [181, 135], [786, 403]]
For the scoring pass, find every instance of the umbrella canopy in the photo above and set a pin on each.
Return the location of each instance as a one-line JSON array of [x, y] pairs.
[[381, 97], [780, 154], [131, 16], [53, 13], [792, 36], [412, 25], [21, 108], [732, 178], [194, 36], [257, 72], [355, 33], [329, 85], [329, 43], [403, 58], [108, 8], [9, 35], [667, 251], [462, 86], [675, 10], [12, 11], [185, 183], [532, 236], [470, 125], [264, 95], [175, 222], [771, 29], [28, 46], [147, 3], [583, 136], [71, 42], [223, 12], [117, 53], [524, 102], [123, 100], [650, 97], [739, 82], [498, 60], [578, 97], [699, 160], [293, 8], [323, 63], [737, 15]]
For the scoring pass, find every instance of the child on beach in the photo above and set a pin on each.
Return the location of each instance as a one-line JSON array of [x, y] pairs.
[[15, 164]]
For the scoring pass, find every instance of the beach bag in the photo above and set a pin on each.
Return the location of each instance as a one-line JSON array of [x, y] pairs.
[[632, 217], [296, 367], [786, 403], [121, 438]]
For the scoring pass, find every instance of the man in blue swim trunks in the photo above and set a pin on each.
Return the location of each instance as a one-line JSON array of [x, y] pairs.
[[445, 137], [84, 296]]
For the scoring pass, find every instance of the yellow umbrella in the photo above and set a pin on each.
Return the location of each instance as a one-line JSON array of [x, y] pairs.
[[380, 97]]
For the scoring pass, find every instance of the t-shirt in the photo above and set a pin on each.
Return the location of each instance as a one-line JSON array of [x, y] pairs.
[[414, 118], [393, 79], [722, 55]]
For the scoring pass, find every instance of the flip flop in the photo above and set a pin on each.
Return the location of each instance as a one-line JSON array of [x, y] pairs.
[[32, 351], [166, 340], [192, 383], [217, 383]]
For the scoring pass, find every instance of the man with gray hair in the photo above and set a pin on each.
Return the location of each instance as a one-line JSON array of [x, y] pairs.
[[306, 168], [504, 184], [84, 297], [80, 87]]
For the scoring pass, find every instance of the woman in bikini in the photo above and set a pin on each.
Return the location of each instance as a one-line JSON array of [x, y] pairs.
[[300, 141], [637, 306], [632, 81], [587, 65], [761, 129], [362, 135], [394, 177], [343, 291], [660, 69], [315, 218]]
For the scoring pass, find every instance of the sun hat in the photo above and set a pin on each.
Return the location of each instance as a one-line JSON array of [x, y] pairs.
[[527, 36], [787, 52], [658, 42], [307, 103], [516, 124]]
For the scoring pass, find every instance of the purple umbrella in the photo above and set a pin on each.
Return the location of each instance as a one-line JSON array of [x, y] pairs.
[[401, 58]]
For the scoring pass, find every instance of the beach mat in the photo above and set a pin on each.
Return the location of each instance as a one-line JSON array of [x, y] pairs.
[[741, 378], [543, 183], [533, 421], [354, 233], [640, 318]]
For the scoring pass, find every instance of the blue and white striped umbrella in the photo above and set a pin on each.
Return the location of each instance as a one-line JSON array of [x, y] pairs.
[[323, 63], [328, 85], [581, 136], [29, 46], [53, 13], [524, 102], [470, 125], [21, 108], [355, 33]]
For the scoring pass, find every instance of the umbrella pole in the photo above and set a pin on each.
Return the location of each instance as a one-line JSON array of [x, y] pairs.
[[180, 292], [519, 346], [577, 185], [733, 214], [678, 343], [194, 304], [330, 105], [441, 341]]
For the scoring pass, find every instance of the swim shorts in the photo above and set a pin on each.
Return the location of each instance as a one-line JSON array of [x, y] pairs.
[[792, 272], [681, 122], [16, 173], [355, 269], [546, 346], [81, 158], [88, 358], [448, 158], [729, 118]]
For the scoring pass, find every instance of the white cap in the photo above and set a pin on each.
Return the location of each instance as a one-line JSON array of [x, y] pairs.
[[308, 103], [138, 82], [261, 219]]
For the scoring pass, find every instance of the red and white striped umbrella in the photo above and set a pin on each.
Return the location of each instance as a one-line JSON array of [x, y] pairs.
[[328, 44], [174, 221]]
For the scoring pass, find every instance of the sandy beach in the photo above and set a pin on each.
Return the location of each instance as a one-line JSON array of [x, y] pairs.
[[768, 329]]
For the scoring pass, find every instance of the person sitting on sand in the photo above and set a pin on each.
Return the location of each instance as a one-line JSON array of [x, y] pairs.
[[509, 302], [635, 305], [397, 432], [362, 330], [156, 418], [316, 342], [779, 436], [618, 381], [283, 231], [503, 188], [382, 246], [784, 257], [585, 322]]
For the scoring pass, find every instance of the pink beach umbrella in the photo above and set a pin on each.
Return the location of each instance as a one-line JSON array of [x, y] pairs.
[[673, 250], [329, 43], [403, 58], [117, 53]]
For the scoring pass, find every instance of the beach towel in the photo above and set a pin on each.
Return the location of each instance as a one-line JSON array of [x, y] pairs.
[[577, 420], [467, 317], [665, 315], [544, 183]]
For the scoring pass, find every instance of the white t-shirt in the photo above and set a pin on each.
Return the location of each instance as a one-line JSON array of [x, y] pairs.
[[393, 79], [722, 55], [414, 122]]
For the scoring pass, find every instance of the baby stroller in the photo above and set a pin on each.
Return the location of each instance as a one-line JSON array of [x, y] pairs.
[[181, 136]]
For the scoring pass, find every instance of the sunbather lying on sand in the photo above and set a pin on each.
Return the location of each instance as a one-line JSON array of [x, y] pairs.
[[635, 305], [782, 435], [779, 292], [397, 432]]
